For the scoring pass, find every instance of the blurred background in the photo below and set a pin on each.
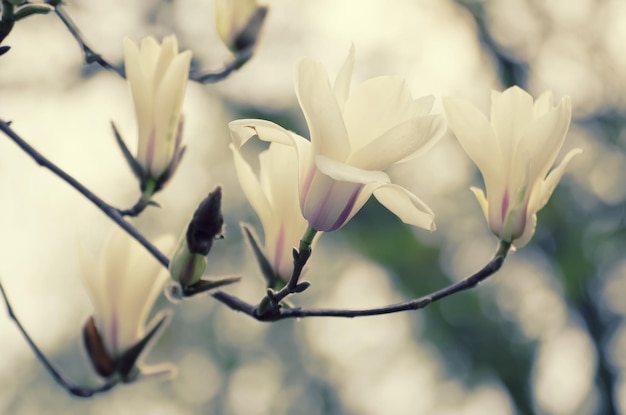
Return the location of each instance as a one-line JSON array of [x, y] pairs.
[[546, 335]]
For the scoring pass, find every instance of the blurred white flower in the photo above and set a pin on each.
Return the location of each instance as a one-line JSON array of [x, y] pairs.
[[514, 153], [274, 197], [157, 76], [238, 22], [123, 288], [353, 138]]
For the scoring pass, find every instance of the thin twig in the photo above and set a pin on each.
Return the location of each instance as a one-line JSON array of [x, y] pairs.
[[108, 210], [91, 56], [71, 387], [284, 313]]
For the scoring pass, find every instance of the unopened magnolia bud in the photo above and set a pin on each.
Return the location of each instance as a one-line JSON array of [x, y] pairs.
[[185, 267], [206, 223]]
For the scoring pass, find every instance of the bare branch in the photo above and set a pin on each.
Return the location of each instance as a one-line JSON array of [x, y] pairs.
[[72, 388]]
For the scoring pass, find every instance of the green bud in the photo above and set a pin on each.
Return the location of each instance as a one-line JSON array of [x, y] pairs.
[[185, 267]]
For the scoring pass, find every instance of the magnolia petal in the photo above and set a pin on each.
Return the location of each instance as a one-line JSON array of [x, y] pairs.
[[142, 93], [374, 107], [529, 231], [252, 189], [422, 105], [475, 134], [168, 105], [149, 55], [544, 138], [94, 286], [243, 130], [343, 80], [482, 200], [406, 206], [400, 143], [543, 104], [511, 113], [321, 110], [553, 179], [346, 173], [169, 50]]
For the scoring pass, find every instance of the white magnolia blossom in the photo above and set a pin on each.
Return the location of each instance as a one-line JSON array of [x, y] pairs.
[[354, 137], [157, 76], [274, 197], [123, 287], [514, 153]]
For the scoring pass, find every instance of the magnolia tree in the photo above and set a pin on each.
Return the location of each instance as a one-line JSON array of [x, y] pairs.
[[305, 186]]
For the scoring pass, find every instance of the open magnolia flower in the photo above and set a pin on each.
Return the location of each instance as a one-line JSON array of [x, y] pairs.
[[514, 153], [122, 288], [274, 197], [353, 139], [157, 76]]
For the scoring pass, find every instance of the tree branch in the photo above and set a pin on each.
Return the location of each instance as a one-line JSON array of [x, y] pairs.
[[107, 209], [91, 56], [69, 386]]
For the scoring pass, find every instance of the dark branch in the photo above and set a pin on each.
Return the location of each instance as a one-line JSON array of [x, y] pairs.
[[108, 210], [91, 56], [71, 387], [281, 313]]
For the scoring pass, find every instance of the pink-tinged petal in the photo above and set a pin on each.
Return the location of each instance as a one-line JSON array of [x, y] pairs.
[[329, 203], [422, 105], [406, 206], [252, 189], [343, 80], [476, 136], [321, 110], [374, 107], [544, 138], [402, 142]]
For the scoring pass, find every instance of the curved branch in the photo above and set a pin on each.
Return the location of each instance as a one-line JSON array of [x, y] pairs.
[[72, 388]]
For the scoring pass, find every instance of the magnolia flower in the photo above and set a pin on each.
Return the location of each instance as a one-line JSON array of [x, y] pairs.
[[122, 288], [157, 76], [274, 197], [514, 154], [353, 138], [238, 22]]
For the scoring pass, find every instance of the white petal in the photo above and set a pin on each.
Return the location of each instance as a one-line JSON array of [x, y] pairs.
[[475, 134], [168, 104], [344, 77], [406, 206], [553, 179], [422, 105], [543, 104], [511, 114], [321, 110], [142, 93], [252, 189], [374, 107], [545, 137], [346, 173], [482, 200], [243, 130], [402, 142], [169, 50]]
